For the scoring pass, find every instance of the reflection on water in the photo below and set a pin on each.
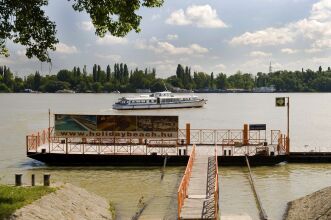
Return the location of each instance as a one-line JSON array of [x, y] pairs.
[[23, 113]]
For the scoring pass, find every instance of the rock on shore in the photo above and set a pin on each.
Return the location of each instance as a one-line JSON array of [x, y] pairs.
[[313, 206], [69, 202]]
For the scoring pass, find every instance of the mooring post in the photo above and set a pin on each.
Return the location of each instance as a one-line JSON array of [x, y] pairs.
[[32, 180], [245, 131], [18, 179], [47, 179]]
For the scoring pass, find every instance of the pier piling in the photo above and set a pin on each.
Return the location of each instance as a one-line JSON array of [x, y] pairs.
[[18, 179], [32, 180], [47, 179]]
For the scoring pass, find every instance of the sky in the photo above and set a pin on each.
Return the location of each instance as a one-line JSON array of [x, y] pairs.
[[210, 36]]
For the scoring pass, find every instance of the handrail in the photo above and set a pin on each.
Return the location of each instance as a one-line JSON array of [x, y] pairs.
[[183, 187], [282, 143], [216, 193], [33, 141]]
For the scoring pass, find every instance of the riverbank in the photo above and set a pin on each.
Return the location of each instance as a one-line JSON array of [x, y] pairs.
[[67, 202], [313, 206], [13, 198]]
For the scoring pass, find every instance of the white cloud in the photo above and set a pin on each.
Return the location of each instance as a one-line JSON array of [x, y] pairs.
[[315, 28], [202, 16], [65, 49], [220, 67], [321, 10], [111, 40], [259, 54], [321, 60], [167, 48], [86, 26], [313, 50], [288, 51], [112, 57], [322, 43], [269, 36], [178, 18], [196, 67], [172, 36]]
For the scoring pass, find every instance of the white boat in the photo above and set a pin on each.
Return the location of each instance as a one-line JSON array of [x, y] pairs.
[[159, 100]]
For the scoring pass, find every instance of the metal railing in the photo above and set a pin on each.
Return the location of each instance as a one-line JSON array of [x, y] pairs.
[[33, 141], [282, 143], [221, 137], [216, 191], [218, 136], [183, 187]]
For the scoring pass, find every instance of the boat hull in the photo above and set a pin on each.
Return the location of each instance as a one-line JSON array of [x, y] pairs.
[[197, 104]]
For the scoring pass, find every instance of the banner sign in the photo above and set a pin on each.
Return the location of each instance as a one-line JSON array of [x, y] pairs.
[[257, 127], [116, 126]]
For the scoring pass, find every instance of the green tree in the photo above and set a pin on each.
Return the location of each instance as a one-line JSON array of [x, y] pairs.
[[25, 22], [36, 81], [221, 81], [158, 86], [95, 77], [4, 88], [53, 86], [65, 76], [108, 72]]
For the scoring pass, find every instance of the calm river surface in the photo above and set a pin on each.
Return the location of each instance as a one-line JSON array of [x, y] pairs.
[[310, 127]]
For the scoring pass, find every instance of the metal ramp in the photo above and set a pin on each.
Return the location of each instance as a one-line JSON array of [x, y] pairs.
[[198, 191]]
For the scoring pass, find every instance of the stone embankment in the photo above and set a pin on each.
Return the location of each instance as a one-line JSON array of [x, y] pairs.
[[313, 206], [68, 202]]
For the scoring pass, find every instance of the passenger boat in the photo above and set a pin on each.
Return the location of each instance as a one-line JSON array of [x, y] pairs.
[[159, 100]]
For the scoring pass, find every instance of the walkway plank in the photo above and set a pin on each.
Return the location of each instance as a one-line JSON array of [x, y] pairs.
[[199, 203]]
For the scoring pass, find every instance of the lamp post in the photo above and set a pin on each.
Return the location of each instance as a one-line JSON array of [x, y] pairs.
[[288, 126], [281, 102]]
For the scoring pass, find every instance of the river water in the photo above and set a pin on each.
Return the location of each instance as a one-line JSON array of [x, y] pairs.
[[310, 127]]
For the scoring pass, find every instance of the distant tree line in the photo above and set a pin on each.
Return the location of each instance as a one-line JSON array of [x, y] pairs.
[[120, 78]]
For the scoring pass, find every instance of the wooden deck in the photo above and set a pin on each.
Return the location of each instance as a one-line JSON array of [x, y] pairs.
[[200, 200]]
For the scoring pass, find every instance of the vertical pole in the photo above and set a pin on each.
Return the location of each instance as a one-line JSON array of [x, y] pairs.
[[27, 144], [245, 134], [49, 130], [188, 135], [32, 180], [67, 146], [288, 127]]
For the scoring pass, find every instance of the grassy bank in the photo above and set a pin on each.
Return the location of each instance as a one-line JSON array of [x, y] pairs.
[[12, 198]]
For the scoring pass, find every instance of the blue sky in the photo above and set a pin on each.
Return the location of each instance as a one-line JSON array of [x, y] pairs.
[[211, 36]]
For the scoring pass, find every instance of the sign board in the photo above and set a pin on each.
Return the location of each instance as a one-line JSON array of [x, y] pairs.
[[256, 127], [116, 126], [280, 101]]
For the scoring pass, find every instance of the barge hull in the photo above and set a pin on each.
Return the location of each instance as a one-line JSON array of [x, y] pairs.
[[145, 160]]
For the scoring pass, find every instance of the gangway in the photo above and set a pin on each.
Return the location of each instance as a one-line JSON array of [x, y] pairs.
[[198, 193]]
